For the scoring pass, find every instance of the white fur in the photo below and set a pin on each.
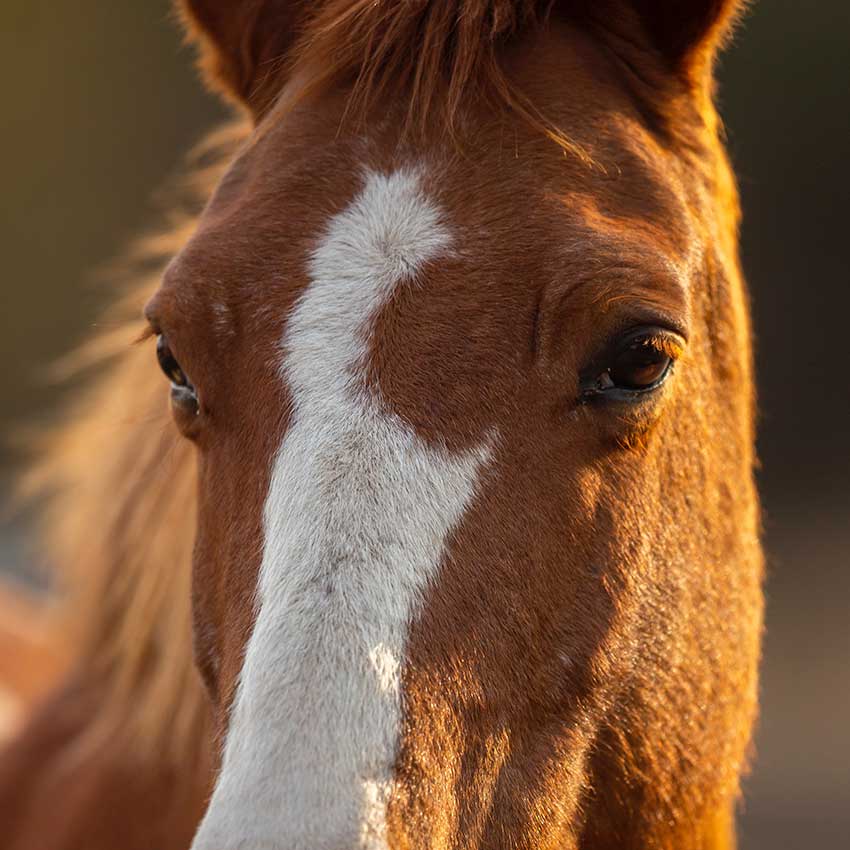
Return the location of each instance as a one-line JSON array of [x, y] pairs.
[[356, 520]]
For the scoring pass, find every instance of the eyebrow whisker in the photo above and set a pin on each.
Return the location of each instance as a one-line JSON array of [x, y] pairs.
[[148, 332]]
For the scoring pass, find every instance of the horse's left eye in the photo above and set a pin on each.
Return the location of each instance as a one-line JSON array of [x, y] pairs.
[[636, 363], [169, 365], [639, 366]]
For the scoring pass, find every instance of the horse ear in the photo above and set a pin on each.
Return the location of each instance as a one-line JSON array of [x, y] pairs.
[[688, 32], [243, 45]]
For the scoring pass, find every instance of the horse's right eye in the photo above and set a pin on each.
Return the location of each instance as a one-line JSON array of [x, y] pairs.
[[169, 365], [184, 397]]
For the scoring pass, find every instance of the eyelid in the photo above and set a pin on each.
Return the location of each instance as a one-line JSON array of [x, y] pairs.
[[149, 314], [161, 313], [664, 339], [668, 342], [651, 317]]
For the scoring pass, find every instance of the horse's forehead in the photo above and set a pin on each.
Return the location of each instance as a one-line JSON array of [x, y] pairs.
[[275, 206], [503, 184]]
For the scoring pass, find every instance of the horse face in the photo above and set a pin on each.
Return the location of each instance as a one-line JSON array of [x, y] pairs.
[[476, 523]]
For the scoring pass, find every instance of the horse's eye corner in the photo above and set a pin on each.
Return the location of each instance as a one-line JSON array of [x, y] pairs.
[[634, 366]]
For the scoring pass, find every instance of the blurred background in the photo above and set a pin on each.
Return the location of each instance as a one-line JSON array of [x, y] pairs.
[[101, 106]]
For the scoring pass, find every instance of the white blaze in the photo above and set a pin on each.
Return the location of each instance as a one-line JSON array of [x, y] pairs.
[[356, 519]]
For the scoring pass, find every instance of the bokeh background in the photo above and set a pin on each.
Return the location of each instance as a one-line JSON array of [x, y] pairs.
[[100, 106]]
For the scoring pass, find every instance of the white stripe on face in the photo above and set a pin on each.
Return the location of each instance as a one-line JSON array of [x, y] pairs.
[[356, 519]]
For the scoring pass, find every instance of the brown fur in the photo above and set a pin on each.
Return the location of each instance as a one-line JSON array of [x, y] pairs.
[[641, 741]]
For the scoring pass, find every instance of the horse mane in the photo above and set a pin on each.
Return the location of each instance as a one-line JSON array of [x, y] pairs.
[[434, 55], [437, 52], [116, 486]]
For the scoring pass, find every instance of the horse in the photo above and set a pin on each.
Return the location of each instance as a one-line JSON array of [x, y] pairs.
[[453, 538]]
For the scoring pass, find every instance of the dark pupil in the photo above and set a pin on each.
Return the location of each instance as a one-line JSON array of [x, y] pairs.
[[168, 364], [639, 366]]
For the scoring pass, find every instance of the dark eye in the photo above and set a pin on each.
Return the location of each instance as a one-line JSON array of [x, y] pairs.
[[639, 366], [636, 363], [183, 394], [168, 363]]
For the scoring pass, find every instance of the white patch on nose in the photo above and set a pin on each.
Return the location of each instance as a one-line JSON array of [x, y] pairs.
[[356, 520]]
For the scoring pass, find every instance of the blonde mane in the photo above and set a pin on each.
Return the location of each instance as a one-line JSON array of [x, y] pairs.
[[118, 489]]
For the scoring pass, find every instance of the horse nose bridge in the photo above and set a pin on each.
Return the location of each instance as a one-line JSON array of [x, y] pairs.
[[275, 844], [244, 825]]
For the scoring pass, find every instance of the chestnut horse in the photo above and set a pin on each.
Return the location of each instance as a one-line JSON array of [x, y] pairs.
[[456, 513]]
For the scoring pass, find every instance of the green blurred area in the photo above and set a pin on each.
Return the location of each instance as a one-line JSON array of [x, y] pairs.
[[100, 105]]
